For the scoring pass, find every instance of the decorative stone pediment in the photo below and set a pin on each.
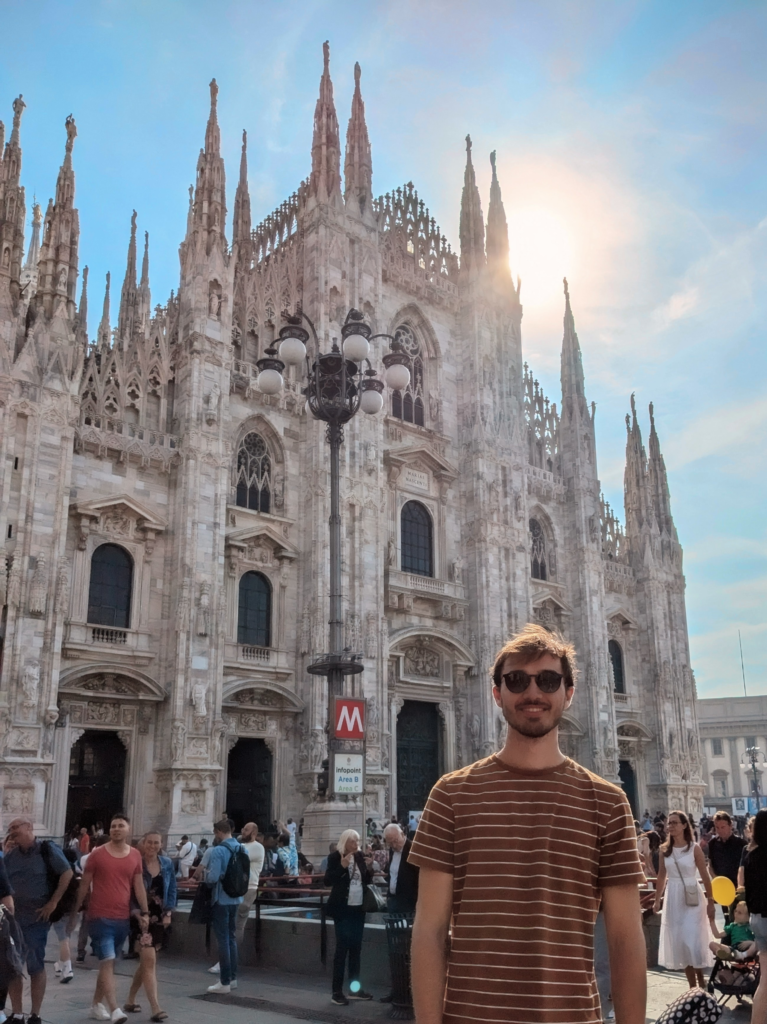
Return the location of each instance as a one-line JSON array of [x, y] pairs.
[[633, 730], [438, 639], [104, 681], [423, 464], [119, 516], [618, 624], [258, 544], [422, 661], [246, 695]]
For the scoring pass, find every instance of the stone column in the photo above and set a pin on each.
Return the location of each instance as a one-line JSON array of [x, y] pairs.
[[448, 731]]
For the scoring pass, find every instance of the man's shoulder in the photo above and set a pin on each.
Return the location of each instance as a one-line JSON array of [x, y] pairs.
[[585, 777], [484, 768]]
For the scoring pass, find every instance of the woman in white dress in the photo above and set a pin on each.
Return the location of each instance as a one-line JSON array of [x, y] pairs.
[[684, 927]]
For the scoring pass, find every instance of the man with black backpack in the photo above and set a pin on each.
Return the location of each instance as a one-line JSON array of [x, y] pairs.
[[39, 874], [226, 869]]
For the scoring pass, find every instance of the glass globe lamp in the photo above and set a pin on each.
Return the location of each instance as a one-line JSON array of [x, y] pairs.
[[356, 347], [269, 381], [292, 351], [371, 399]]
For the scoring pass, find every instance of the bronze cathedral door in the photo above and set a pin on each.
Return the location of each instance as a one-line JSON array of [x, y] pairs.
[[418, 755]]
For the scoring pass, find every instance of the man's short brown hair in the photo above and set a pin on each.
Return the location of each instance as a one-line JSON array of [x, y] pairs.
[[723, 816], [531, 643]]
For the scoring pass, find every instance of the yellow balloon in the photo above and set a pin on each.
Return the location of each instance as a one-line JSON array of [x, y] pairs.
[[723, 890]]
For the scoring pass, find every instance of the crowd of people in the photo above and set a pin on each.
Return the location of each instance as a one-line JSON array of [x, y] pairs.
[[516, 867], [120, 896], [680, 858]]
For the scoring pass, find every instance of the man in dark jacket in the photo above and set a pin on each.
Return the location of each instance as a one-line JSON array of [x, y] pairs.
[[401, 876], [725, 849]]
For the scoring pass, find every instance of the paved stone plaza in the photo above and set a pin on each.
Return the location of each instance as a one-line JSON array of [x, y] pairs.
[[274, 997]]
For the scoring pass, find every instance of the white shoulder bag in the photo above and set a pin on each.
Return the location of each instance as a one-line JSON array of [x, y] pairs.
[[691, 889]]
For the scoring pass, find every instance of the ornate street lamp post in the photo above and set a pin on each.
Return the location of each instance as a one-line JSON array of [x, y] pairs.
[[338, 384], [753, 760]]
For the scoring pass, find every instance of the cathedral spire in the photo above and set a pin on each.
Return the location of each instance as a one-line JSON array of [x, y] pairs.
[[497, 228], [658, 478], [103, 336], [58, 253], [128, 298], [358, 165], [325, 180], [29, 270], [208, 211], [573, 384], [472, 228], [640, 519], [242, 224], [12, 215], [33, 252], [18, 110], [82, 312], [144, 295]]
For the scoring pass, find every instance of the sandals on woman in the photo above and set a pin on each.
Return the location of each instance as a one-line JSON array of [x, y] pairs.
[[162, 1015], [132, 1007]]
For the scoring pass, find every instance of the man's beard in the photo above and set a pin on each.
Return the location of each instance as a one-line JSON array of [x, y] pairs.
[[532, 727]]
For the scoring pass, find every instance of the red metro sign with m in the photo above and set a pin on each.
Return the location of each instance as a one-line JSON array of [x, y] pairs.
[[349, 719]]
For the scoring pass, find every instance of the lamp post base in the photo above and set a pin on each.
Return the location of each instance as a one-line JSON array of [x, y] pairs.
[[325, 820]]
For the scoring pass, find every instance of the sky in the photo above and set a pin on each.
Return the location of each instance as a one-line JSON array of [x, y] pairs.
[[632, 146]]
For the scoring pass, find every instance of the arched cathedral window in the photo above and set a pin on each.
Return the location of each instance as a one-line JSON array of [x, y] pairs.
[[616, 660], [416, 539], [254, 620], [538, 565], [254, 473], [408, 405], [109, 594]]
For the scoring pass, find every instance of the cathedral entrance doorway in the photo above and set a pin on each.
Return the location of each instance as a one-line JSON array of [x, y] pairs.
[[628, 779], [418, 755], [96, 779], [249, 784]]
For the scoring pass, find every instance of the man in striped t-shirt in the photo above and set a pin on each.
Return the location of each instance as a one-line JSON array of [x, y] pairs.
[[516, 853]]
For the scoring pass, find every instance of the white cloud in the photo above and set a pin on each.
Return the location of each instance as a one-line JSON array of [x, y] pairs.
[[717, 430], [681, 304]]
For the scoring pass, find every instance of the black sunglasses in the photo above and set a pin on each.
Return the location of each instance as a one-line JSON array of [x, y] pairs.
[[547, 681]]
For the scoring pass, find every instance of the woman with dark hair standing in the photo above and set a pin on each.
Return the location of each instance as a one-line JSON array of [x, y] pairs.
[[684, 926], [753, 875], [160, 883]]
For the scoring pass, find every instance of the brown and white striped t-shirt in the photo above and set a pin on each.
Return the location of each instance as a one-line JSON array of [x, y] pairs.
[[529, 853]]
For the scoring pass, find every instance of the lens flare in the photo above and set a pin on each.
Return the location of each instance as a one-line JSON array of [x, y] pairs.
[[354, 986]]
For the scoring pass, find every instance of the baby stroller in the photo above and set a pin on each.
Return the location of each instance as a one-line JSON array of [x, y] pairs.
[[737, 978]]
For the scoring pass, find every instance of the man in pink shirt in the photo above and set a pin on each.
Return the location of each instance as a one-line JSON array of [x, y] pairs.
[[113, 872]]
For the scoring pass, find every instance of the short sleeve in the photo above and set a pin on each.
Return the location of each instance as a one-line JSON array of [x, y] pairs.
[[618, 855], [434, 842], [5, 885], [58, 861], [743, 856], [138, 866]]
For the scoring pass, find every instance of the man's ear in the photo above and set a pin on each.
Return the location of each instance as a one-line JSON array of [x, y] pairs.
[[569, 694], [497, 696]]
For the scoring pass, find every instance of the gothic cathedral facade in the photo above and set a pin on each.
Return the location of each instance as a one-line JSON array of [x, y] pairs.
[[165, 583]]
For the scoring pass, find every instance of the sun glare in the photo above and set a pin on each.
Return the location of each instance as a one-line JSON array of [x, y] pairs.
[[541, 253]]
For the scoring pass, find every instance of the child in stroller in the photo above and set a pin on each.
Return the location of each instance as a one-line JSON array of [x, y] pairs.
[[736, 970], [737, 939]]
